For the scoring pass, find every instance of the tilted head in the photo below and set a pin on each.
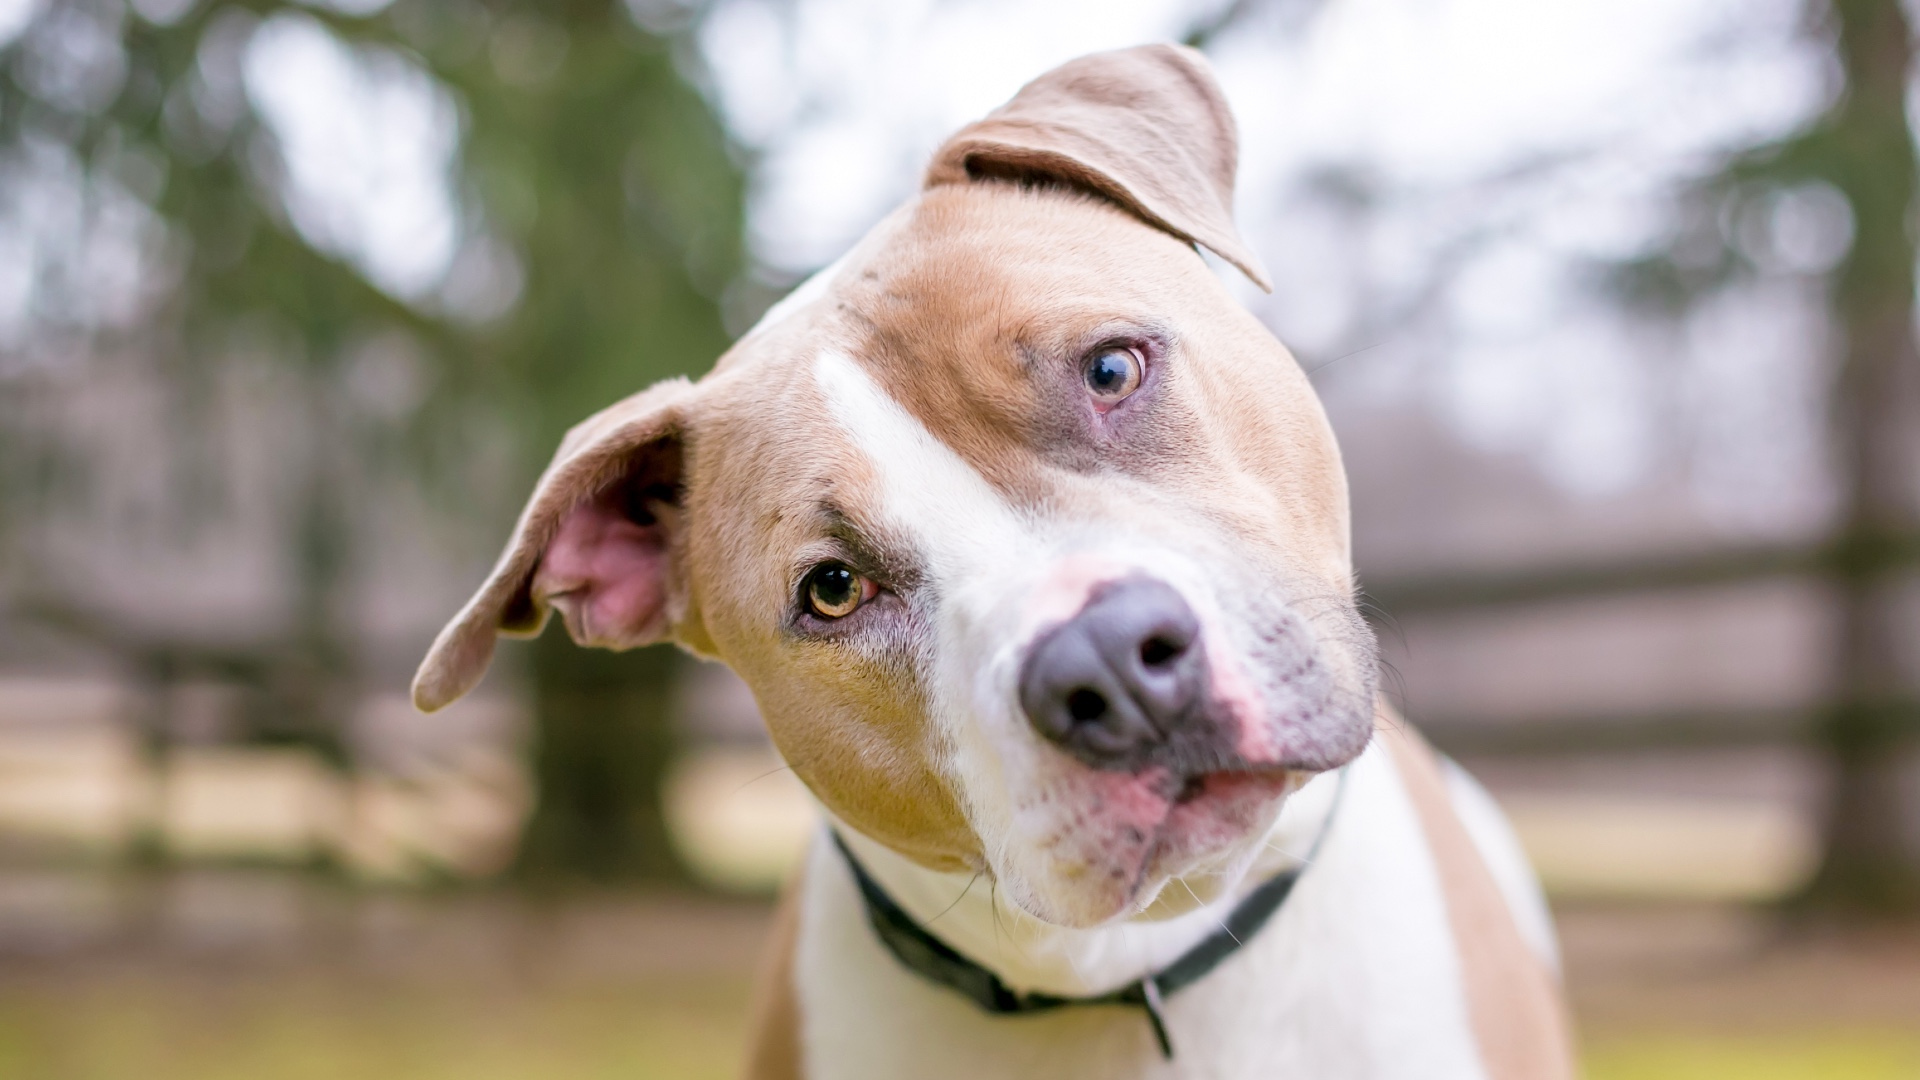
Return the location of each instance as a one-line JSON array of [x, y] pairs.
[[1030, 541]]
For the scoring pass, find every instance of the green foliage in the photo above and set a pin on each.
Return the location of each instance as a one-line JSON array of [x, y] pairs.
[[590, 171], [583, 147], [1861, 151], [1858, 146]]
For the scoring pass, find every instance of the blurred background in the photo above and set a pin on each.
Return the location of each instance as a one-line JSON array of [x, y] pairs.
[[1612, 305]]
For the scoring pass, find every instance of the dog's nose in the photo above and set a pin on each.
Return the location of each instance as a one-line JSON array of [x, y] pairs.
[[1117, 680]]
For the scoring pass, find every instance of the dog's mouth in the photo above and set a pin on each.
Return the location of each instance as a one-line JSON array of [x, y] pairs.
[[1209, 818], [1219, 807], [1184, 771], [1111, 845], [1208, 788], [1191, 789]]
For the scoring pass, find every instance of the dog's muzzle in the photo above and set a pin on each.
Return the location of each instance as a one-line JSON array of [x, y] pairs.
[[1123, 685]]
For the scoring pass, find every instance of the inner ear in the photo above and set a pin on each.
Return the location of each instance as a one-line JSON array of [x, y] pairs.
[[607, 569]]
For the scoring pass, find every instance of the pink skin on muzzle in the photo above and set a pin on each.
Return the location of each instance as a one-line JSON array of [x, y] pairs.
[[1126, 830]]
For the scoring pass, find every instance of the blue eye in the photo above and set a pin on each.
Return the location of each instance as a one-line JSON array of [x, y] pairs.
[[1113, 372]]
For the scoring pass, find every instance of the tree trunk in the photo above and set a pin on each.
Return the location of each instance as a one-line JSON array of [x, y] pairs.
[[603, 743], [1872, 856]]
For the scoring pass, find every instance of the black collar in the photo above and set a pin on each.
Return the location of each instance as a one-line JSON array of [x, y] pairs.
[[935, 960]]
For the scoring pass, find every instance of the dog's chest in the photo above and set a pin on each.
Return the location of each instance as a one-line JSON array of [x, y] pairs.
[[1355, 978]]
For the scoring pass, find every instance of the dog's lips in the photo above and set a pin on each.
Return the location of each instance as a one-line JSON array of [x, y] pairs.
[[1217, 810], [1157, 825]]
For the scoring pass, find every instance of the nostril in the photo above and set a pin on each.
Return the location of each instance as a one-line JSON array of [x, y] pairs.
[[1085, 705], [1158, 650], [1123, 683]]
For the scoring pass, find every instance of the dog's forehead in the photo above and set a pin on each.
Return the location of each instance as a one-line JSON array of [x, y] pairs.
[[957, 316], [954, 308], [837, 457], [966, 310]]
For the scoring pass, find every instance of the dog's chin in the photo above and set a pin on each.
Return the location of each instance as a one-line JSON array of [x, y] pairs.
[[1146, 831]]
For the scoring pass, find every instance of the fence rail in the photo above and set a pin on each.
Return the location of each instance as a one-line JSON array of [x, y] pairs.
[[1475, 592]]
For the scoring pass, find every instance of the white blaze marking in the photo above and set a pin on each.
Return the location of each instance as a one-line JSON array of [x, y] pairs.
[[1000, 575], [980, 556], [962, 524]]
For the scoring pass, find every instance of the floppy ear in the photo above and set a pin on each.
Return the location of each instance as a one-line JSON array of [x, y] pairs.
[[595, 542], [1145, 127]]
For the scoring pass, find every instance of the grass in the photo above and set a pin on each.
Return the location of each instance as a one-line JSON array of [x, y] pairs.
[[317, 1029], [149, 1031], [1827, 1055]]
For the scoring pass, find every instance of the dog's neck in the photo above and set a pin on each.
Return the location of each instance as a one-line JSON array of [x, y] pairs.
[[969, 914]]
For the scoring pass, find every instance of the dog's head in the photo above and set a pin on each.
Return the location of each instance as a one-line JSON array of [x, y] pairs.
[[1031, 542]]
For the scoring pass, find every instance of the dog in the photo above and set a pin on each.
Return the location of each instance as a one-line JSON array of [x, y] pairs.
[[1032, 545]]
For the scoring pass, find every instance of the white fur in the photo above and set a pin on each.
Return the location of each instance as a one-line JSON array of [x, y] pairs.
[[1001, 576], [1356, 978], [968, 913], [963, 532]]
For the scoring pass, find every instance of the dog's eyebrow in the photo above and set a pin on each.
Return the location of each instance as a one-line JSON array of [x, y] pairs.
[[889, 560]]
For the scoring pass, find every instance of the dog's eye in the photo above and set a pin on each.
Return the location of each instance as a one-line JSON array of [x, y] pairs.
[[1113, 372], [834, 591]]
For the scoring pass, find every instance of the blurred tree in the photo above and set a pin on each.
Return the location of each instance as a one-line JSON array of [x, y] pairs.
[[1863, 148], [601, 221], [630, 228]]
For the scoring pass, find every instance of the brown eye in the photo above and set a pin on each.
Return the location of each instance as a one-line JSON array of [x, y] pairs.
[[834, 591], [1113, 372]]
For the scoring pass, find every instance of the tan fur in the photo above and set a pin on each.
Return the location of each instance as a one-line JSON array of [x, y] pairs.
[[593, 453], [973, 317], [773, 1035], [1146, 127], [849, 722], [966, 317], [1519, 1017]]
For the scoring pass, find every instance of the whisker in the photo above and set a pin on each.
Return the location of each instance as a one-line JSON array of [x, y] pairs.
[[1074, 966], [957, 899], [1325, 364], [1216, 919], [762, 776], [993, 909], [993, 905], [1396, 689], [1278, 850]]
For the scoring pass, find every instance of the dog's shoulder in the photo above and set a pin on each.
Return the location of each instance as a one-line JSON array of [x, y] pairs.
[[1518, 1018], [773, 1040]]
